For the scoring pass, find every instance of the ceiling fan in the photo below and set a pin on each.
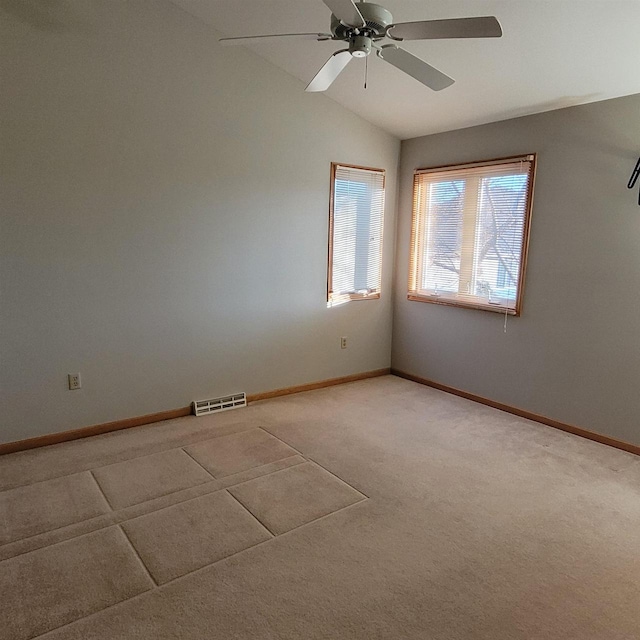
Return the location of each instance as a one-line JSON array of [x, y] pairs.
[[363, 25]]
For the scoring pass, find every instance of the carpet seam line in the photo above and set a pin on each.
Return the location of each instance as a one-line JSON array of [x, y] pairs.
[[197, 462], [273, 435], [102, 493], [306, 461], [54, 544], [162, 495], [137, 554], [335, 475], [253, 515], [324, 517], [64, 526]]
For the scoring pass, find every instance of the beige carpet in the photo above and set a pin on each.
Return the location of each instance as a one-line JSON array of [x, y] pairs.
[[377, 509]]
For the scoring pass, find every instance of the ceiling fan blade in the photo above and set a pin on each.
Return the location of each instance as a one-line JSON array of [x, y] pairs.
[[330, 71], [483, 27], [249, 39], [347, 12], [415, 67]]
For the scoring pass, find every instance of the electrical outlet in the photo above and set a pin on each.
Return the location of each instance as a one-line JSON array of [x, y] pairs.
[[343, 342], [74, 381]]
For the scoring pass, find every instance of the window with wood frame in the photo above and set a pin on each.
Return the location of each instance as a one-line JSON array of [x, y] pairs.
[[356, 215], [470, 233]]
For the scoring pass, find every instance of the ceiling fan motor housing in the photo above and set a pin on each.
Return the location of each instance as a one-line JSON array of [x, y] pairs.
[[378, 19]]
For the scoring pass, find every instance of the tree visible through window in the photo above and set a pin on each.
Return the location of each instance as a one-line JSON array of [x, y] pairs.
[[355, 233], [470, 233]]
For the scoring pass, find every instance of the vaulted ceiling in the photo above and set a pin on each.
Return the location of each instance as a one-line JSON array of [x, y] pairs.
[[554, 53]]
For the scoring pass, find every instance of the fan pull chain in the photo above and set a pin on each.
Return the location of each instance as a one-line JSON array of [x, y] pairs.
[[366, 71]]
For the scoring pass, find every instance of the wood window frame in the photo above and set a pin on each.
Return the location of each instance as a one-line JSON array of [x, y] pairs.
[[414, 262], [331, 299]]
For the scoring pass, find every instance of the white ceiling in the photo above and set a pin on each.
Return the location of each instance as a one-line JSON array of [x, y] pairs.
[[554, 53]]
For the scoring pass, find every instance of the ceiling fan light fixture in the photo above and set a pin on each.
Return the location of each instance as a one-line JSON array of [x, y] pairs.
[[360, 46]]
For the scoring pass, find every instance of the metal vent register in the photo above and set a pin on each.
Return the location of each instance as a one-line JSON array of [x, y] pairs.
[[204, 407]]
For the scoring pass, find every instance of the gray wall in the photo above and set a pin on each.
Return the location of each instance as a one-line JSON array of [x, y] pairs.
[[574, 354], [164, 207]]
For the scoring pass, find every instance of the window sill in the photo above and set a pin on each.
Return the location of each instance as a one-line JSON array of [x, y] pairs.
[[465, 304], [336, 300]]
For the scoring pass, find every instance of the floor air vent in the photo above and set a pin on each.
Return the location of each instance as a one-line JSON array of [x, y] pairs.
[[204, 407]]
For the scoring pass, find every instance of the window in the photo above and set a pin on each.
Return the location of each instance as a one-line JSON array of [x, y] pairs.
[[470, 234], [355, 233]]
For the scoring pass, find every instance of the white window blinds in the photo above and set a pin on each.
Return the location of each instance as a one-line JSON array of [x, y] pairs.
[[470, 233], [355, 233]]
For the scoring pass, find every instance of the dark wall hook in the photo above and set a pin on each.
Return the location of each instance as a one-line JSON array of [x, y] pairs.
[[634, 178]]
